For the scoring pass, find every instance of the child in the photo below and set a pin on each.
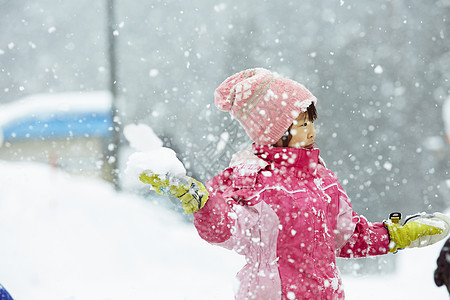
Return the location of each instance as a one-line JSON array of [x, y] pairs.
[[279, 205]]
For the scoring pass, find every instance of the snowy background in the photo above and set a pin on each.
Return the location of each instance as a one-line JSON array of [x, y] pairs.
[[380, 70]]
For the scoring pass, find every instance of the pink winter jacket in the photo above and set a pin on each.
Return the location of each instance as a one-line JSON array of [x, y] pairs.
[[287, 213]]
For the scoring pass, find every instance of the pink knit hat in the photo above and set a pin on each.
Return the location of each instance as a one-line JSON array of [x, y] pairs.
[[263, 102]]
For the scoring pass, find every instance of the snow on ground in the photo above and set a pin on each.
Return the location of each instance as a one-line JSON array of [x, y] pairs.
[[413, 278], [67, 237]]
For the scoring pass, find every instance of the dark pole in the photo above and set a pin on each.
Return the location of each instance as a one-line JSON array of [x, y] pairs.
[[114, 142]]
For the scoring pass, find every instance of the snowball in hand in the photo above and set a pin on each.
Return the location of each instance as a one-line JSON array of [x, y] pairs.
[[151, 156], [159, 161]]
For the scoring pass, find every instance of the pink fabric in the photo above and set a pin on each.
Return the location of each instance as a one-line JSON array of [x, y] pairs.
[[290, 220], [264, 103]]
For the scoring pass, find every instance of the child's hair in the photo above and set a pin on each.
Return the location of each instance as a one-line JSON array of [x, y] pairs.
[[311, 113]]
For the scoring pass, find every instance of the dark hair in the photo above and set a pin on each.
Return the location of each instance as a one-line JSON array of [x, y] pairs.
[[312, 116], [312, 112]]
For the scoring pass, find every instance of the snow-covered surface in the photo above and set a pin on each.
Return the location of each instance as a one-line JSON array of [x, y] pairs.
[[44, 106], [150, 154], [66, 237], [61, 115], [413, 278]]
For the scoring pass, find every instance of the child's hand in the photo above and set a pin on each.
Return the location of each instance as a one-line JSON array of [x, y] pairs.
[[192, 193], [419, 230]]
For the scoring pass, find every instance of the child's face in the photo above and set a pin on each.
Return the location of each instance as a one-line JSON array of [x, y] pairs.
[[303, 132]]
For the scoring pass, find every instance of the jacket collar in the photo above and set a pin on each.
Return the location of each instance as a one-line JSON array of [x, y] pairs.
[[304, 159]]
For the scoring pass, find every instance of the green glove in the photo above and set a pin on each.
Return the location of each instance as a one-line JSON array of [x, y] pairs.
[[419, 230], [192, 193]]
